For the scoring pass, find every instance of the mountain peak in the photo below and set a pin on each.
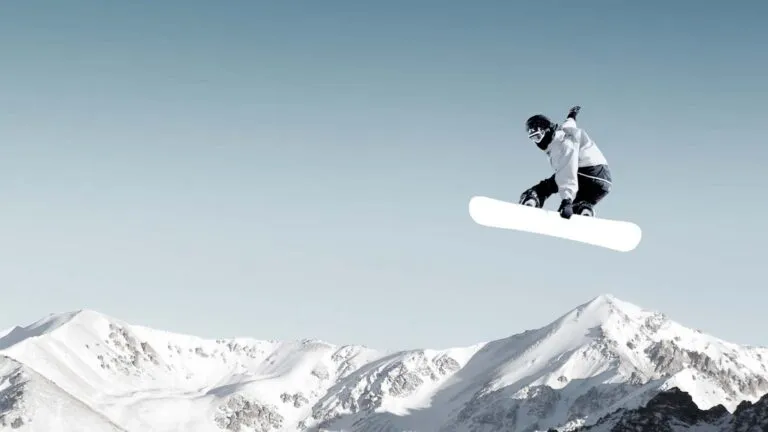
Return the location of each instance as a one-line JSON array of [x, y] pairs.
[[38, 328], [83, 318], [614, 304], [606, 312]]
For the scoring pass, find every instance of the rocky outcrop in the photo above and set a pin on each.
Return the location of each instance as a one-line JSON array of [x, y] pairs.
[[241, 414], [674, 411], [668, 357], [12, 410], [365, 390]]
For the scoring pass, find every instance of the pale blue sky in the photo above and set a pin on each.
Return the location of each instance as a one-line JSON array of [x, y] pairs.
[[287, 170]]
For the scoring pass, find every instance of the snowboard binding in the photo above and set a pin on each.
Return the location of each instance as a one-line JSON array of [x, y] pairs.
[[531, 199], [584, 209]]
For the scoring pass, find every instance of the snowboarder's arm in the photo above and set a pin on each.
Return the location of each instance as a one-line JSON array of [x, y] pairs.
[[573, 112], [571, 129], [566, 165]]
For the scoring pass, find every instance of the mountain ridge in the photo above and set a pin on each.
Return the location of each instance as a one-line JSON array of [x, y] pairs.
[[673, 410], [601, 356]]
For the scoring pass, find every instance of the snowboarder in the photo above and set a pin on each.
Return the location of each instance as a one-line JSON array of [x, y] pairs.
[[581, 176]]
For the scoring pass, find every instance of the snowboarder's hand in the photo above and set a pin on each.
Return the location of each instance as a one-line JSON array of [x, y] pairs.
[[566, 208], [573, 112]]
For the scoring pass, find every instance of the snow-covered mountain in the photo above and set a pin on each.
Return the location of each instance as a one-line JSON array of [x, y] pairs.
[[84, 371]]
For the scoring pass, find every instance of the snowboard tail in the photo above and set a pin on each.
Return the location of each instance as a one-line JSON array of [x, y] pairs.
[[617, 235]]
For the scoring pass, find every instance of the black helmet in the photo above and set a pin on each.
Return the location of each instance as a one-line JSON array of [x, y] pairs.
[[539, 129], [538, 121]]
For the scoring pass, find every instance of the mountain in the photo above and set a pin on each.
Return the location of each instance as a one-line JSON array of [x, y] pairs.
[[600, 362], [674, 411]]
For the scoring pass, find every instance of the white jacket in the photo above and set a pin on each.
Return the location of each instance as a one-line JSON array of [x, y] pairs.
[[571, 148]]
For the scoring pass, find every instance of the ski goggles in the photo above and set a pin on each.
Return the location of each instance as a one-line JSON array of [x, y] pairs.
[[536, 135]]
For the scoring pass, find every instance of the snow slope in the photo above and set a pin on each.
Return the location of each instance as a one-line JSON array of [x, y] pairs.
[[601, 356], [30, 402], [136, 376]]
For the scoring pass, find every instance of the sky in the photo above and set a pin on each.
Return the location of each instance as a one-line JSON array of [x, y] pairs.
[[288, 171]]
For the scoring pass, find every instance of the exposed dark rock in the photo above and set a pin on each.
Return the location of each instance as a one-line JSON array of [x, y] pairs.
[[675, 411]]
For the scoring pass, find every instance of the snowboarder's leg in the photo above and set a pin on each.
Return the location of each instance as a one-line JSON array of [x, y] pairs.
[[539, 193], [594, 184]]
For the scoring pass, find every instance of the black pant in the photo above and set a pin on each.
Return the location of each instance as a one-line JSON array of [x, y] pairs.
[[594, 184]]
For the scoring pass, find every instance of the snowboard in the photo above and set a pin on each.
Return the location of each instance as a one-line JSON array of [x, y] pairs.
[[617, 235]]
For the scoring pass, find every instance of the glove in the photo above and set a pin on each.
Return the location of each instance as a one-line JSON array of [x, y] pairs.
[[530, 198], [573, 112], [566, 208]]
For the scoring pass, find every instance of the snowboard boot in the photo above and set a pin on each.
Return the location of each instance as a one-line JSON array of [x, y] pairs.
[[531, 199], [584, 209]]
